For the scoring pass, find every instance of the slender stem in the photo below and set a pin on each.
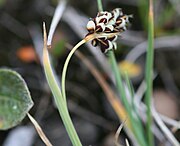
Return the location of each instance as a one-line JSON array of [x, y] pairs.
[[118, 78], [133, 108], [143, 12], [121, 89], [62, 107], [100, 7], [66, 66], [63, 84], [149, 71]]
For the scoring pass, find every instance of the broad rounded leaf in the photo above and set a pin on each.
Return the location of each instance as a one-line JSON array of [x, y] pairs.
[[15, 99]]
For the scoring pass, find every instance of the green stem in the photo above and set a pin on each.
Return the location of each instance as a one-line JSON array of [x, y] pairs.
[[66, 66], [133, 108], [143, 9], [100, 7], [63, 79], [118, 78], [121, 89], [149, 72]]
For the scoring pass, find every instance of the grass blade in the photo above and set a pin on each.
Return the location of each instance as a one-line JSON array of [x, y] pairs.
[[39, 131], [60, 102], [149, 72], [120, 87]]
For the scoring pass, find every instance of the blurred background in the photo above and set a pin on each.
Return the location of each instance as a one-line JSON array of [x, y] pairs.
[[92, 114]]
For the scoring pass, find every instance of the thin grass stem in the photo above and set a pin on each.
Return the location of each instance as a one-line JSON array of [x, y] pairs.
[[134, 124], [133, 108], [149, 72], [66, 66], [100, 7]]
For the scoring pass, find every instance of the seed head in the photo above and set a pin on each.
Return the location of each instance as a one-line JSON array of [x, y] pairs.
[[107, 26]]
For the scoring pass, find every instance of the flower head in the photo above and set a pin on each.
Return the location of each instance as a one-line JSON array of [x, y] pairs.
[[107, 26]]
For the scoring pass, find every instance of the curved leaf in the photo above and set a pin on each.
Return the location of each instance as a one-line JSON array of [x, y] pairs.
[[15, 99]]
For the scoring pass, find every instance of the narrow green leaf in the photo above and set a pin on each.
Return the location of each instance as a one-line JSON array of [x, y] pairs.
[[15, 99], [60, 101], [149, 72], [121, 90], [134, 110]]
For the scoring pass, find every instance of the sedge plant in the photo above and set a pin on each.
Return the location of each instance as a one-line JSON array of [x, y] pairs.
[[101, 37], [104, 37], [103, 30], [60, 97]]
